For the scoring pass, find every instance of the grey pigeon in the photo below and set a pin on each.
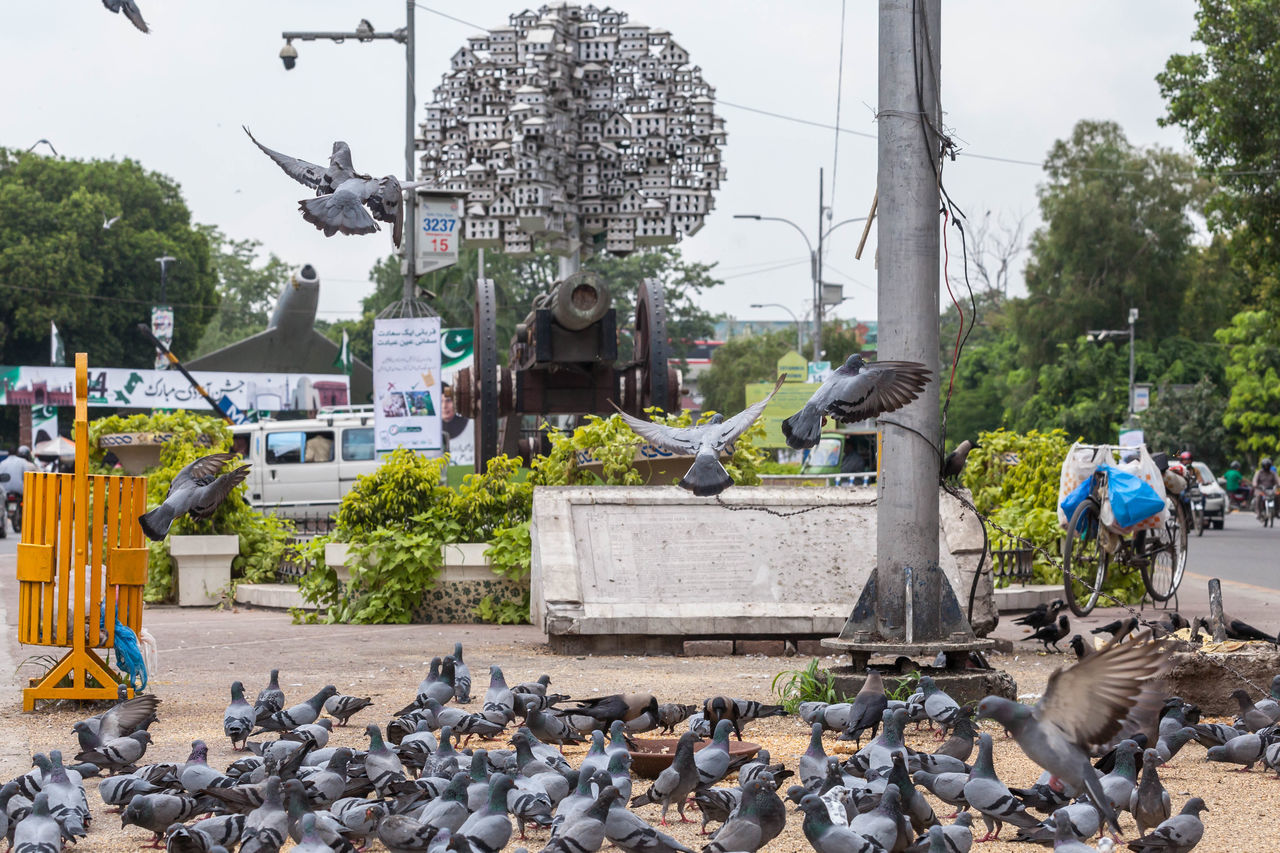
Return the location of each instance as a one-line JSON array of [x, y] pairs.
[[1063, 838], [343, 708], [270, 698], [223, 829], [1082, 819], [955, 838], [157, 812], [827, 837], [38, 832], [948, 787], [298, 715], [675, 783], [134, 15], [547, 727], [327, 827], [812, 767], [1178, 834], [855, 391], [499, 702], [119, 790], [940, 707], [713, 760], [381, 765], [343, 194], [885, 824], [461, 676], [66, 799], [449, 810], [197, 490], [196, 775], [867, 708], [239, 718], [716, 804], [1245, 750], [489, 829], [122, 718], [267, 826], [759, 819], [1252, 718], [311, 840], [595, 759], [118, 753], [1169, 745], [914, 804], [585, 833], [989, 796], [671, 714], [1083, 705], [1118, 785], [704, 441], [1149, 803], [631, 834]]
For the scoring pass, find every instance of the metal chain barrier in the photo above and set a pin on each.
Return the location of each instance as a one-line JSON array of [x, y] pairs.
[[782, 514], [1055, 561]]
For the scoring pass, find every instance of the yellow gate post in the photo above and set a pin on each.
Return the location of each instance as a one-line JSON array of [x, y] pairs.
[[74, 527]]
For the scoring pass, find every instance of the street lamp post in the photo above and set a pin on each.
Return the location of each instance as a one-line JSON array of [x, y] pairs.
[[794, 318], [1100, 335], [364, 32]]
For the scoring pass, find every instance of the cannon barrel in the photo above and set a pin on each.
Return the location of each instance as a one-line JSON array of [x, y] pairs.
[[578, 301]]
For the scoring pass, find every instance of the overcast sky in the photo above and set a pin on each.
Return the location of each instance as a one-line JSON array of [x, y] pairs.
[[1016, 76]]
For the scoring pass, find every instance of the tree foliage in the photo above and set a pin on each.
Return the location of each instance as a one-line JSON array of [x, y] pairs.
[[1188, 417], [248, 290], [1116, 236], [58, 263], [1226, 97], [1253, 374]]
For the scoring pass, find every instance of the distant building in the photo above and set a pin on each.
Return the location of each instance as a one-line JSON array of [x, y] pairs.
[[575, 116]]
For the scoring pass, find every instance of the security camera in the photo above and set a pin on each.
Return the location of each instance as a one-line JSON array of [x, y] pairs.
[[289, 56]]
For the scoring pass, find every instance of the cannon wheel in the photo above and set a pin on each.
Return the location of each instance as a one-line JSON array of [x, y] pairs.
[[486, 367], [653, 349]]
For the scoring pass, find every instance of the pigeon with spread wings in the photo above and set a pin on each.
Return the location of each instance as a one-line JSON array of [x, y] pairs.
[[704, 441], [130, 10], [855, 391], [343, 194], [197, 489]]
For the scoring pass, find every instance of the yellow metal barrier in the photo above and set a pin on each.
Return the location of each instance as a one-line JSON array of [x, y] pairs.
[[82, 563]]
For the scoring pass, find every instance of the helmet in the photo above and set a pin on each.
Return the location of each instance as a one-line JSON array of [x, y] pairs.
[[1185, 456], [1266, 462], [1235, 466], [24, 452]]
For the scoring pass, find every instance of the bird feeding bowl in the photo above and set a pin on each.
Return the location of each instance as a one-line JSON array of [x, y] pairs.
[[653, 755]]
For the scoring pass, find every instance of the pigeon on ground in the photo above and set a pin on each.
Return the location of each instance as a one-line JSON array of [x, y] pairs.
[[1118, 785], [825, 836], [759, 819], [812, 767], [855, 391], [461, 676], [956, 837], [499, 705], [238, 719], [867, 708], [914, 804], [311, 842], [270, 698], [157, 812], [1252, 718], [548, 728], [962, 740], [343, 708], [1084, 705], [343, 194], [119, 753], [267, 826], [675, 783], [381, 764], [716, 804], [197, 490], [1178, 834], [953, 465], [671, 714], [885, 824], [1041, 615], [713, 760], [489, 828], [585, 833], [1149, 803], [1169, 745], [704, 441], [298, 715], [940, 707], [131, 11], [1051, 635], [719, 708], [1082, 820], [989, 796], [1244, 750], [632, 834], [38, 832], [123, 718]]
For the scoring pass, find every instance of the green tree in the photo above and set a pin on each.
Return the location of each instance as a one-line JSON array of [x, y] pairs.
[[1188, 417], [247, 291], [1226, 98], [1116, 236], [58, 263], [1252, 416]]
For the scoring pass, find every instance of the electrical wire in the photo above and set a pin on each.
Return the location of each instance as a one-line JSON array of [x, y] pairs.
[[835, 154], [426, 8]]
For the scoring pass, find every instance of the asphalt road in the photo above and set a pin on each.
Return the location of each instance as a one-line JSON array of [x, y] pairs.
[[1243, 551]]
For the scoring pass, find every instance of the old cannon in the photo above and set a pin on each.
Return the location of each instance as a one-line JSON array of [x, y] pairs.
[[563, 359]]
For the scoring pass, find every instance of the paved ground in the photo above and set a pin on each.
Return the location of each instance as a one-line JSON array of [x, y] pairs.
[[201, 651]]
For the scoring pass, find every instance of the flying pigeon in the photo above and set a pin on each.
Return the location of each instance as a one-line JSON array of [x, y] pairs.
[[130, 10], [856, 391], [342, 194], [107, 223], [196, 489], [706, 442], [1083, 705]]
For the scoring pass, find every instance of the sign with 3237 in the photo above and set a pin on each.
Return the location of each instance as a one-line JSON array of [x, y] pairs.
[[439, 232]]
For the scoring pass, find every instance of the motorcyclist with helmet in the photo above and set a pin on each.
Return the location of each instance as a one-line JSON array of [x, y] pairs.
[[1264, 482], [1237, 489]]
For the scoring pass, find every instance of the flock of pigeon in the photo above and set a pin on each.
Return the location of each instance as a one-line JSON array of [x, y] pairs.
[[1050, 628], [428, 780]]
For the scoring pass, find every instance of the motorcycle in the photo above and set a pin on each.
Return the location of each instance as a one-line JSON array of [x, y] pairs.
[[1268, 518], [1195, 500], [13, 509]]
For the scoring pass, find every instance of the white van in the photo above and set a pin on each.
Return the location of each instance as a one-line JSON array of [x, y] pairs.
[[304, 467]]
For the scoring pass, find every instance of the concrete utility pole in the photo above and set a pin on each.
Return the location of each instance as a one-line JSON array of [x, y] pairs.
[[817, 281]]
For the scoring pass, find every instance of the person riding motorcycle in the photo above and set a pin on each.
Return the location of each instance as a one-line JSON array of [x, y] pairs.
[[15, 465], [1237, 489], [1264, 481]]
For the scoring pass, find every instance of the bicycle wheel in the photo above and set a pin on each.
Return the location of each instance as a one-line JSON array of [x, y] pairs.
[[1166, 555], [1084, 562]]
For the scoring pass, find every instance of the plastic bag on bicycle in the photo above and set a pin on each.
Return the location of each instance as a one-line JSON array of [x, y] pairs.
[[1129, 499]]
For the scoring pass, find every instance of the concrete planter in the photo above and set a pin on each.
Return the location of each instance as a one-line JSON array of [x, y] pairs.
[[336, 556], [137, 451], [204, 567], [465, 579]]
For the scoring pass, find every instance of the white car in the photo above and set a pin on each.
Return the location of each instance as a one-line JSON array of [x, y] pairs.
[[1215, 497]]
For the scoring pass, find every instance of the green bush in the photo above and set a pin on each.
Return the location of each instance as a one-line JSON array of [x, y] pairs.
[[263, 538]]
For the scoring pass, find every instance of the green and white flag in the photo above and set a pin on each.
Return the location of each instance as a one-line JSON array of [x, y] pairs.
[[57, 354], [343, 361]]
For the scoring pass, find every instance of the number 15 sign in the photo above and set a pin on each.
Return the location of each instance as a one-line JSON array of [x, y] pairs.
[[439, 215]]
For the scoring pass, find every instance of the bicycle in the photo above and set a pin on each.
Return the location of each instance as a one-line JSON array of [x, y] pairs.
[[1090, 547]]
